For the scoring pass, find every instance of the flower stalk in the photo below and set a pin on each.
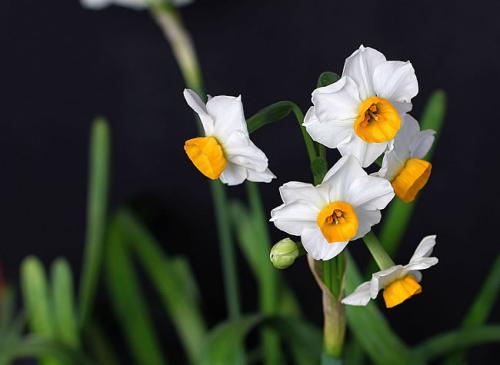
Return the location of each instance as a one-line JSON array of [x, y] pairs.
[[377, 251]]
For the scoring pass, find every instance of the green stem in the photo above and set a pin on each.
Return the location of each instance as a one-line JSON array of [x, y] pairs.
[[227, 249], [311, 151], [378, 252], [269, 287], [184, 52]]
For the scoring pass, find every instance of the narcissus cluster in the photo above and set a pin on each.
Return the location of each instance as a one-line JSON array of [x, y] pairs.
[[364, 115]]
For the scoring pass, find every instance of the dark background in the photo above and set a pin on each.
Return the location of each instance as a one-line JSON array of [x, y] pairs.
[[60, 65]]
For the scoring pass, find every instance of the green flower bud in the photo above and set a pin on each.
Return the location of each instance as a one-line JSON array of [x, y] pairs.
[[284, 253]]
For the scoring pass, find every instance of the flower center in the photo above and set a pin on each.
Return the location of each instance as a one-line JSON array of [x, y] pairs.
[[400, 290], [378, 121], [207, 155], [411, 179], [338, 222]]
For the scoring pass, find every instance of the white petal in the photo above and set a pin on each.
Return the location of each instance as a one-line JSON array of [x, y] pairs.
[[293, 191], [239, 149], [260, 176], [383, 278], [421, 263], [360, 66], [422, 143], [365, 152], [293, 218], [406, 135], [360, 296], [366, 219], [233, 174], [424, 248], [316, 245], [395, 80], [194, 101], [340, 177], [370, 192], [337, 103], [329, 134], [391, 165], [228, 116]]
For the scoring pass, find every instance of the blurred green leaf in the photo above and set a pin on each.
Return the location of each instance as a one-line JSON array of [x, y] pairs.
[[455, 340], [37, 303], [172, 278], [398, 214], [327, 78], [371, 328], [223, 345], [269, 114], [128, 301], [319, 168], [481, 307], [39, 347], [64, 308], [97, 198]]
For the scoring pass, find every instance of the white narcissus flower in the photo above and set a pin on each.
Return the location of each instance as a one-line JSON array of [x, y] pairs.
[[133, 4], [342, 208], [226, 151], [360, 114], [398, 282], [404, 165]]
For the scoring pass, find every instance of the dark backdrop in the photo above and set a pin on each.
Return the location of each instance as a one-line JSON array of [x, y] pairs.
[[61, 65]]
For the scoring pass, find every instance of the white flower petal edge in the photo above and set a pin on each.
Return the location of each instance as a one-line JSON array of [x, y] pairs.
[[345, 181], [381, 279], [335, 108], [223, 118], [409, 143], [133, 4]]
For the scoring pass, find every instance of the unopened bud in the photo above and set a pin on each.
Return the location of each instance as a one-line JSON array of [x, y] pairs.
[[284, 253]]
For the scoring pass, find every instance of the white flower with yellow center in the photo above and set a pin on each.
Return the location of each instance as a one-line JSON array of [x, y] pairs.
[[360, 114], [404, 166], [226, 152], [133, 4], [398, 282], [342, 208]]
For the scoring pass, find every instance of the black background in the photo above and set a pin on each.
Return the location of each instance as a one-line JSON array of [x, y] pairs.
[[61, 65]]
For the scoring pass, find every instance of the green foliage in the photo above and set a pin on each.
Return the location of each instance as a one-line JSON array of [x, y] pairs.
[[63, 303], [173, 279], [96, 215], [326, 78], [269, 114], [128, 301]]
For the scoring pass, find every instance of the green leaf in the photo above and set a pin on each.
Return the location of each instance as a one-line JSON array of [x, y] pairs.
[[39, 347], [223, 345], [327, 78], [433, 116], [96, 215], [37, 303], [481, 308], [173, 280], [64, 308], [444, 343], [99, 345], [399, 213], [269, 114], [128, 301], [371, 328], [319, 168]]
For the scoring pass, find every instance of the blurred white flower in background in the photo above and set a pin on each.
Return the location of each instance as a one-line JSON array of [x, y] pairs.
[[398, 282], [133, 4]]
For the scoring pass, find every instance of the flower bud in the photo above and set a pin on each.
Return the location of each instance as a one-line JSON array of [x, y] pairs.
[[284, 253]]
